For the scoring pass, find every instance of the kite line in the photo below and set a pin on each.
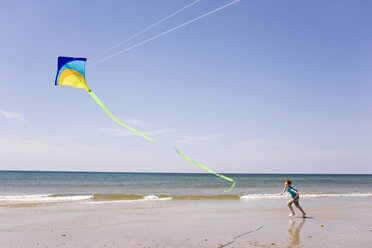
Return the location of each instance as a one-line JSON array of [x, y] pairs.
[[164, 33], [71, 71], [144, 30]]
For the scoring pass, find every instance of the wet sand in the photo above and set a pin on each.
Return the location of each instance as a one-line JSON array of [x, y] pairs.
[[211, 223]]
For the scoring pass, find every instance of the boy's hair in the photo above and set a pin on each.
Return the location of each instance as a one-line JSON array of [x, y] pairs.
[[288, 181]]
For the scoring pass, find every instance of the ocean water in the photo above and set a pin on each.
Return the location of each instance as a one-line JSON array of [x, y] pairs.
[[19, 187]]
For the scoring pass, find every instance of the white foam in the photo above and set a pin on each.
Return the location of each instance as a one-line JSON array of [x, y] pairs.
[[312, 195], [155, 198], [367, 194], [261, 196], [147, 198], [43, 198], [151, 197]]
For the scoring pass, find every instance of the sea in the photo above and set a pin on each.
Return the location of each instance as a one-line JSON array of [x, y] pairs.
[[32, 187]]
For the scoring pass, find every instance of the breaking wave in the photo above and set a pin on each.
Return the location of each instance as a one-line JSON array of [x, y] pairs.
[[306, 195]]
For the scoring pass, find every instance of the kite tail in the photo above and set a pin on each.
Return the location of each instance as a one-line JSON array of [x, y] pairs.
[[100, 103], [114, 118], [207, 169]]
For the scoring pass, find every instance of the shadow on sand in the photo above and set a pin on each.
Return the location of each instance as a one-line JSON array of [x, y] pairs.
[[225, 245]]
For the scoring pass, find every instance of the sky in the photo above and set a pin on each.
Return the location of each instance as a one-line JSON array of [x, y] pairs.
[[257, 87]]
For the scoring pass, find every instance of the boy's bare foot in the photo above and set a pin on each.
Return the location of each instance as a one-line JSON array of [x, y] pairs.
[[304, 215], [290, 215]]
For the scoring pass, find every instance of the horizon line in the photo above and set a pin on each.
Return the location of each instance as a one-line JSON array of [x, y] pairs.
[[195, 173]]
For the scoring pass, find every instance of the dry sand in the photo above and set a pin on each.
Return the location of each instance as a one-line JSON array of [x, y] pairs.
[[340, 223]]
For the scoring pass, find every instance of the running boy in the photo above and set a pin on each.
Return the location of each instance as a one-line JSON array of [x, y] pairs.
[[295, 197]]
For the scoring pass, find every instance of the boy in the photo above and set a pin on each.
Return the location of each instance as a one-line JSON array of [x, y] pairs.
[[295, 196]]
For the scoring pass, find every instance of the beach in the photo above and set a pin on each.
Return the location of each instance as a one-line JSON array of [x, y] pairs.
[[215, 223], [180, 220]]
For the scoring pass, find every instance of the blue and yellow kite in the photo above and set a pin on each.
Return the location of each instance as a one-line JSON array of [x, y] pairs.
[[71, 71]]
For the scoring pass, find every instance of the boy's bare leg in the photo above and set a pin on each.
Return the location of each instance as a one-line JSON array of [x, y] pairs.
[[289, 204], [296, 202], [303, 212]]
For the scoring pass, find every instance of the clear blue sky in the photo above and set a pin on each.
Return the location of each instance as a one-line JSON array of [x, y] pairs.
[[260, 86]]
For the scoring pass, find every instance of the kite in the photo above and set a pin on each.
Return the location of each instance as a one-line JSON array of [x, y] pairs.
[[71, 72]]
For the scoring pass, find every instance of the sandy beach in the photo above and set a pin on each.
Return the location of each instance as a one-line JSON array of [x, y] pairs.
[[177, 223]]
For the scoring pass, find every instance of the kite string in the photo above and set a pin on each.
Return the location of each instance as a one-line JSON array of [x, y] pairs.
[[148, 40], [144, 30], [164, 33]]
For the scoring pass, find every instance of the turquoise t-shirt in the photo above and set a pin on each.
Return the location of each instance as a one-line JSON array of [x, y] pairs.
[[290, 191]]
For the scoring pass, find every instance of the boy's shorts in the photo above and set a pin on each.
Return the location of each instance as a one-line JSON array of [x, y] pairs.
[[296, 203]]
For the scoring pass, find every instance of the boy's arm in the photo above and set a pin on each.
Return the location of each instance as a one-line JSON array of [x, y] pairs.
[[282, 192], [297, 194]]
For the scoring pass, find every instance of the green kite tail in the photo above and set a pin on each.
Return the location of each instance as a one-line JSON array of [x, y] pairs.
[[207, 169], [100, 103], [148, 138], [114, 118]]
